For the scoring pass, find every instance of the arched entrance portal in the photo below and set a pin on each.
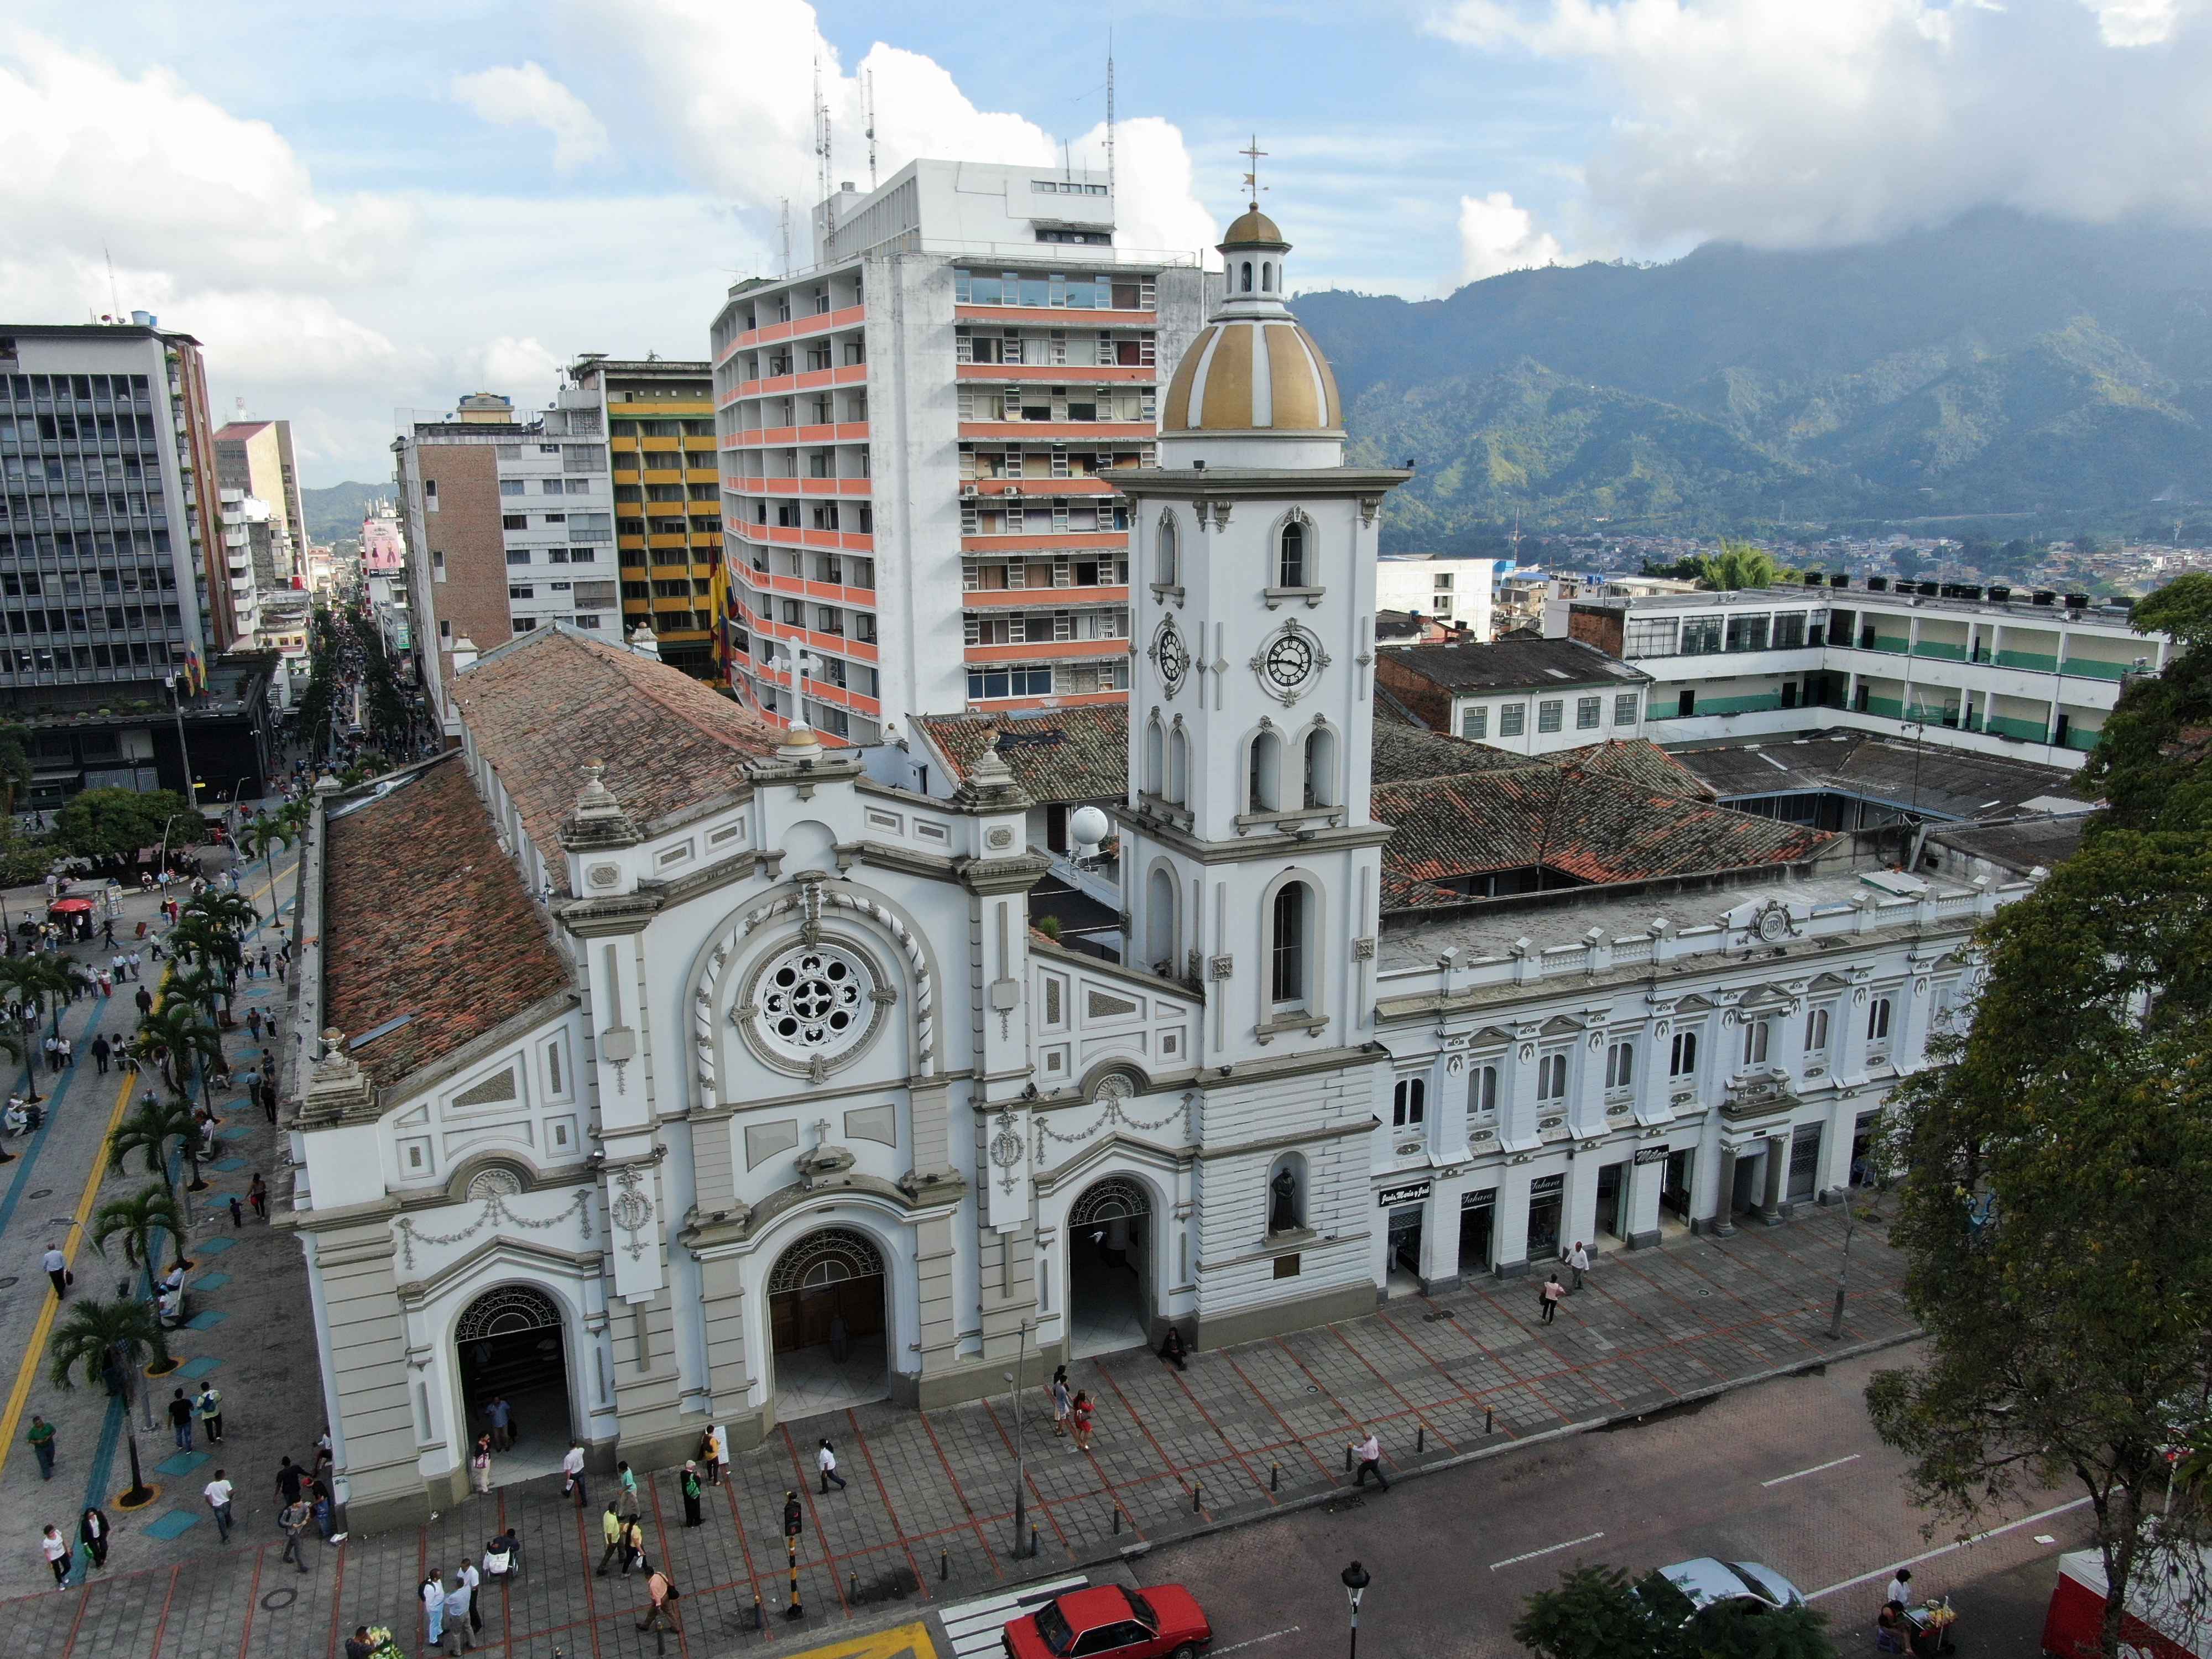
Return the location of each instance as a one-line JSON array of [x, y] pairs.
[[827, 1314], [1111, 1268], [512, 1345]]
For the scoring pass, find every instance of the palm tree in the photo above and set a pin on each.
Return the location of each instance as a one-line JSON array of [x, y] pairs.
[[180, 1038], [135, 1220], [108, 1341], [194, 986], [227, 912], [195, 938], [152, 1125], [15, 1048], [264, 839]]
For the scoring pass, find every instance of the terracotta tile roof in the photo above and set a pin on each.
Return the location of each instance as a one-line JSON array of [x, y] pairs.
[[1584, 821], [425, 918], [1403, 753], [542, 705], [1641, 761], [1061, 755]]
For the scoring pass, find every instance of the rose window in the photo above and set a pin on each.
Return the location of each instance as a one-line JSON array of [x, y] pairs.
[[814, 1001]]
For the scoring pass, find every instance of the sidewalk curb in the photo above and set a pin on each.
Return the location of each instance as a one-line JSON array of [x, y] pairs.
[[1125, 1554]]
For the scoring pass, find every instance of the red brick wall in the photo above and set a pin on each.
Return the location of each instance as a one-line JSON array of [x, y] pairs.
[[465, 528], [1414, 688], [1596, 624]]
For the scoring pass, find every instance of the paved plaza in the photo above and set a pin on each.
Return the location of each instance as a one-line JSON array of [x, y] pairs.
[[927, 1516]]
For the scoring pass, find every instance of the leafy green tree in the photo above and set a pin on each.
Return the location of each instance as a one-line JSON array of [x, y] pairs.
[[137, 1221], [1597, 1613], [2051, 1214], [180, 1041], [114, 823], [148, 1129], [2149, 764], [108, 1341], [267, 836]]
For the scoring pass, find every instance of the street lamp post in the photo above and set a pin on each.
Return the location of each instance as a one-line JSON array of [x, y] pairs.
[[1021, 1471], [1355, 1585], [184, 754]]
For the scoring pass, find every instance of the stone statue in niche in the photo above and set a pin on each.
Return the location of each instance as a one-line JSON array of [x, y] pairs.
[[1283, 1211]]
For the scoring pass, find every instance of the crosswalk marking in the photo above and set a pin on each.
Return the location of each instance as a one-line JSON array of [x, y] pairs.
[[973, 1627]]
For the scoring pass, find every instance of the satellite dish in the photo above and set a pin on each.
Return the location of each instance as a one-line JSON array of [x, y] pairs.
[[1089, 826]]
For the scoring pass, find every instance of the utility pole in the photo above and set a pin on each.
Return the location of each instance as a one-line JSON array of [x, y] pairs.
[[1021, 1443], [871, 89], [184, 754]]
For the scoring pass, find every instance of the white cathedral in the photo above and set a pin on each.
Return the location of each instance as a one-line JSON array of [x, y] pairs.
[[657, 1070]]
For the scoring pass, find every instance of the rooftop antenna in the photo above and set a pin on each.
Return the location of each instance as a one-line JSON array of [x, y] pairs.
[[822, 162], [114, 299], [1109, 111], [787, 236], [872, 128], [1252, 153]]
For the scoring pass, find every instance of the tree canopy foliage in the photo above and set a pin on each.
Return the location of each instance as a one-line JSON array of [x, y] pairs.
[[114, 823], [1597, 1613]]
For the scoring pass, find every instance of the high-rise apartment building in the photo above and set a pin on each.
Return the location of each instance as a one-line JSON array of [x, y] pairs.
[[113, 577], [509, 524], [256, 457], [660, 421], [919, 437]]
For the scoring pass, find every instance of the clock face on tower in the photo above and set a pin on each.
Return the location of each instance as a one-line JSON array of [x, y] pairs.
[[1171, 656], [1289, 662]]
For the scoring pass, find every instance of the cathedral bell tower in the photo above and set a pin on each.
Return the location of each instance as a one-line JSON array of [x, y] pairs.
[[1250, 860]]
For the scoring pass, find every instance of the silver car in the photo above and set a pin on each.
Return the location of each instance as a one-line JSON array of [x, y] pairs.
[[1708, 1582]]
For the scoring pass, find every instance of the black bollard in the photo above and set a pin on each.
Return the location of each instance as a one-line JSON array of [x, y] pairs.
[[856, 1589], [1033, 1541], [1421, 1438], [943, 1566], [1347, 1460], [756, 1610], [1274, 1477], [1117, 1520], [1489, 1419], [1197, 1490]]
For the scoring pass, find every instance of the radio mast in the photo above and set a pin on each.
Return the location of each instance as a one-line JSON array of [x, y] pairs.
[[871, 130]]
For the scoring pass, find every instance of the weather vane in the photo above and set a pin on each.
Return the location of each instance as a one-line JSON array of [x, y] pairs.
[[1252, 153]]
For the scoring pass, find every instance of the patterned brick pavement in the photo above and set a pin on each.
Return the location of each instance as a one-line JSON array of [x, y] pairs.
[[928, 1514]]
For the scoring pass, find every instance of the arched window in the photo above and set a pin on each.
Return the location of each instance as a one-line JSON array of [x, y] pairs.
[[1816, 1032], [1620, 1066], [1552, 1078], [1321, 768], [1287, 965], [1160, 944], [1167, 563], [1409, 1103], [1178, 765], [1286, 1193], [1248, 276], [1262, 792], [1683, 1062], [1268, 277], [1155, 755], [1290, 555], [1482, 1093]]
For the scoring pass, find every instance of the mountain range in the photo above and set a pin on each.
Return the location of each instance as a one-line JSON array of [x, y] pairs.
[[334, 512], [1999, 365]]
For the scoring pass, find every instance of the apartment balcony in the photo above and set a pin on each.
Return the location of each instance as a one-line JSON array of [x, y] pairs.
[[798, 328], [1053, 487], [1061, 373], [1115, 539], [774, 535], [807, 380], [788, 437], [800, 587], [1058, 599], [1050, 317], [842, 697], [842, 645], [1047, 651], [802, 486], [1097, 432]]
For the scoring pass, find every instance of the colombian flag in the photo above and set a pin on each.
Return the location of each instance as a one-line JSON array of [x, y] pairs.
[[195, 670]]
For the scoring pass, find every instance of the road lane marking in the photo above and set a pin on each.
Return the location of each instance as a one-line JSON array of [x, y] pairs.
[[1835, 1463], [1929, 1555], [1287, 1630], [1548, 1549], [973, 1627]]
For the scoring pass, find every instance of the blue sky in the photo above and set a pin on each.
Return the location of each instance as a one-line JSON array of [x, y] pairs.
[[362, 210]]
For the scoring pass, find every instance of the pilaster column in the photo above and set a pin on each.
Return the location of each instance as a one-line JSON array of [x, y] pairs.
[[1722, 1222]]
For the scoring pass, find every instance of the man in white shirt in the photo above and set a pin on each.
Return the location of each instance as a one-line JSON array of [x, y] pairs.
[[470, 1579], [459, 1637], [56, 1267], [1369, 1453], [217, 1494], [826, 1460], [1578, 1260], [573, 1466], [1899, 1590]]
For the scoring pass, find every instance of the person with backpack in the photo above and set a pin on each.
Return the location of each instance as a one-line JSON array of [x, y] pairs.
[[663, 1592], [691, 1515]]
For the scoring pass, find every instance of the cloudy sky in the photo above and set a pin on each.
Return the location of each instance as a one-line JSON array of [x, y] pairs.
[[367, 209]]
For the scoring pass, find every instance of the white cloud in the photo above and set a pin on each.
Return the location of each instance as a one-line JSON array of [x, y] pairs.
[[1496, 236], [522, 369], [510, 96], [1785, 124]]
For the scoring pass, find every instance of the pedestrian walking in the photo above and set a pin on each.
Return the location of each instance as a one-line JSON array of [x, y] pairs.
[[611, 1532], [144, 999], [54, 1046], [470, 1579], [99, 1054], [500, 1416], [710, 1454], [1063, 1403], [1550, 1295], [825, 1460], [290, 1478], [41, 1437], [137, 966], [56, 1553], [1369, 1452], [180, 1420], [633, 1545], [69, 1054], [237, 1213], [56, 1267], [662, 1590], [264, 962], [257, 1195], [434, 1609], [324, 1459], [92, 1530], [1577, 1261], [217, 1494], [208, 1406], [253, 1023], [627, 1498], [294, 1518], [1081, 1414], [690, 1485], [268, 1098], [460, 1635], [572, 1468], [480, 1465]]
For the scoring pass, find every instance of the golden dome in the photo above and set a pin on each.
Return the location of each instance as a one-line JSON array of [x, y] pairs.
[[1261, 374], [1254, 226]]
